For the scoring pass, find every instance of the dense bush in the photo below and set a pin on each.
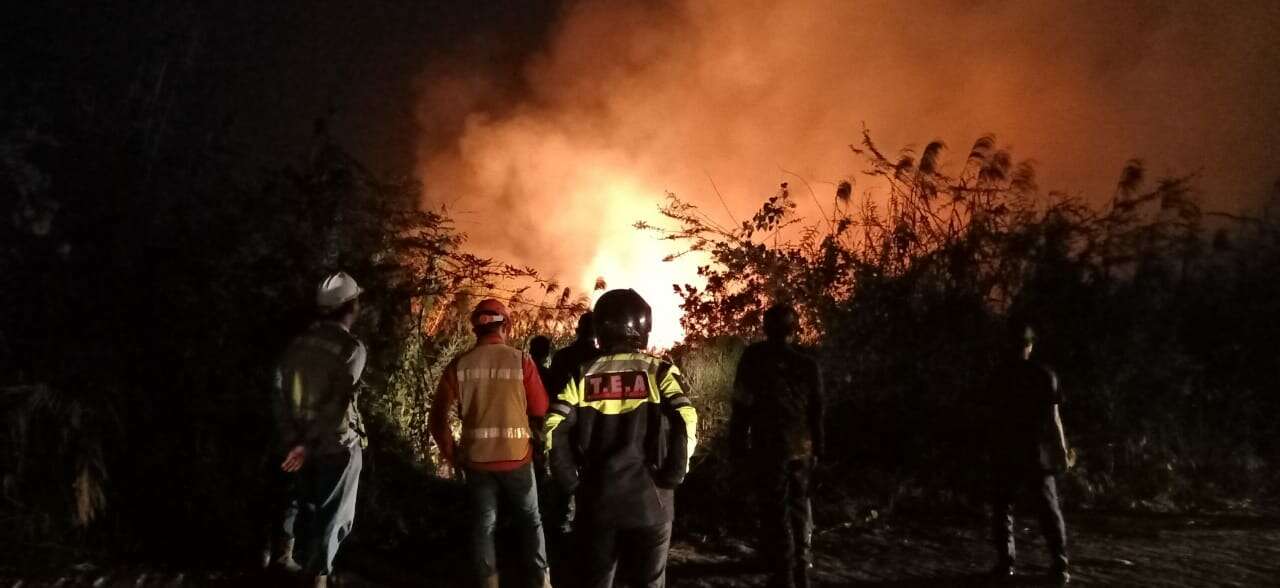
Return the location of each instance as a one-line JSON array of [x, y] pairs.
[[1151, 310]]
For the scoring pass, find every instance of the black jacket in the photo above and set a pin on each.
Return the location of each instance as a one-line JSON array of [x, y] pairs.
[[620, 435], [778, 405], [1019, 423], [565, 364]]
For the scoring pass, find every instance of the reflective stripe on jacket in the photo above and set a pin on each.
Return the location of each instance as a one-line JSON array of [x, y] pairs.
[[494, 388], [491, 400]]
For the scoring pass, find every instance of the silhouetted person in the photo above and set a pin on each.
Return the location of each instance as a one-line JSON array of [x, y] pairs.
[[314, 401], [1027, 447], [540, 350], [620, 434], [566, 361], [564, 365], [548, 499], [776, 433]]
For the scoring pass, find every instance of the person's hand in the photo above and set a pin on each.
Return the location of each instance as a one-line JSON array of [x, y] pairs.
[[1071, 458], [293, 462]]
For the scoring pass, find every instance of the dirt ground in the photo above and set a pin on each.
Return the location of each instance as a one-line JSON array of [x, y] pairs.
[[1106, 550]]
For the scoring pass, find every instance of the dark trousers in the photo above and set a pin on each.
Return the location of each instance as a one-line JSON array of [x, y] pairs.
[[1041, 491], [787, 522], [327, 486], [558, 506], [637, 557], [557, 517], [280, 500], [518, 489]]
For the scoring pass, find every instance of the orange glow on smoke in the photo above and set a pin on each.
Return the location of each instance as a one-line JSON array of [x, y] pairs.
[[630, 100], [526, 191], [628, 258]]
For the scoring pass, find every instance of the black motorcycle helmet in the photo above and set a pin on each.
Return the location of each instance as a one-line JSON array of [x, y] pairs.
[[622, 321], [780, 322]]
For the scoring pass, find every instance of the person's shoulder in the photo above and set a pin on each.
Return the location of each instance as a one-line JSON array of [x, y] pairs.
[[584, 351], [574, 352], [335, 331], [642, 360], [359, 349], [1043, 370], [752, 351], [510, 353], [1047, 377], [653, 358], [331, 337], [802, 355]]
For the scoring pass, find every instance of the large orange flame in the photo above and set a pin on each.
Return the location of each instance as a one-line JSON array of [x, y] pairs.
[[627, 258]]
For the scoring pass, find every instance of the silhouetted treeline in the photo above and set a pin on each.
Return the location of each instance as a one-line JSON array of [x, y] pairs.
[[154, 269]]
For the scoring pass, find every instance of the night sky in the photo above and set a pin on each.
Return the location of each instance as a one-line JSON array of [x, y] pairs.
[[270, 68]]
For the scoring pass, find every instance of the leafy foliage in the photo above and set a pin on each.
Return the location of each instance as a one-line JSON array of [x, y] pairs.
[[1149, 309]]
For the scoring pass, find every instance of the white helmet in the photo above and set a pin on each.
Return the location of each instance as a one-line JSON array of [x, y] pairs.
[[336, 289]]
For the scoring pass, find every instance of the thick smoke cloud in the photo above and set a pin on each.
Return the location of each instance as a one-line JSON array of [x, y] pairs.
[[630, 100]]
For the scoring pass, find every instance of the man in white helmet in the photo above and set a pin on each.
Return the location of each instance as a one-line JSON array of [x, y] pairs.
[[315, 409]]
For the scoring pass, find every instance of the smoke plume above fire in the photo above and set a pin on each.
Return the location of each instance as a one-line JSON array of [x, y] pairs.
[[630, 100]]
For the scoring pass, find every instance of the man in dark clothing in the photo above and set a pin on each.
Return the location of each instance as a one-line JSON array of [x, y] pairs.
[[540, 350], [776, 427], [620, 433], [552, 504], [1026, 447], [566, 361], [564, 365]]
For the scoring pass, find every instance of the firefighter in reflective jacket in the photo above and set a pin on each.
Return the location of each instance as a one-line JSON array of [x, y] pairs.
[[619, 436]]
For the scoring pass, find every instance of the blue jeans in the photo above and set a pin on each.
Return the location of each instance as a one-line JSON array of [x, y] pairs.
[[518, 489], [327, 497]]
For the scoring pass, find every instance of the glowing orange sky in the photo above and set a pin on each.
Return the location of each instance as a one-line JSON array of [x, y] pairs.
[[634, 99]]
